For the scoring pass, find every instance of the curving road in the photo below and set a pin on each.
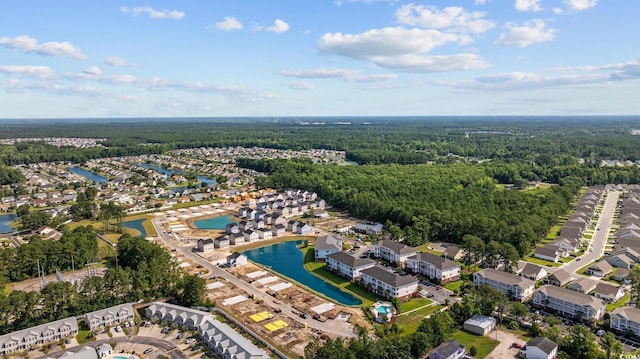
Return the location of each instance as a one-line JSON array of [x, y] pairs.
[[341, 329]]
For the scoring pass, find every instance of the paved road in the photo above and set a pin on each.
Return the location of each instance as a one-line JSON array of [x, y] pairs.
[[163, 345], [336, 328], [599, 240]]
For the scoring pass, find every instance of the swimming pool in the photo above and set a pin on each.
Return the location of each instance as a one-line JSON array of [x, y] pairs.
[[383, 310]]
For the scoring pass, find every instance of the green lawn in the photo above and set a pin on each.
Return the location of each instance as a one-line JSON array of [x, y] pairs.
[[410, 322], [414, 303], [317, 269], [484, 344], [425, 248], [553, 232], [453, 286], [541, 262], [624, 300], [584, 269]]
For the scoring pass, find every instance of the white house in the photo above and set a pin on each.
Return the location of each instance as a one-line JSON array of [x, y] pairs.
[[104, 350], [435, 267], [516, 287], [388, 284], [608, 292], [236, 259], [539, 348], [251, 236], [38, 335], [346, 265], [533, 272], [205, 245]]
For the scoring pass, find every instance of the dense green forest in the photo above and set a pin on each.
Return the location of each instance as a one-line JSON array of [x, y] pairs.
[[145, 271]]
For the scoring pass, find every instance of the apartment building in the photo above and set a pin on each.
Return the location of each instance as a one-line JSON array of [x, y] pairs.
[[516, 287]]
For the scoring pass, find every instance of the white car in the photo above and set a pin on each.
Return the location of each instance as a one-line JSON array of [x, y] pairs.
[[600, 332]]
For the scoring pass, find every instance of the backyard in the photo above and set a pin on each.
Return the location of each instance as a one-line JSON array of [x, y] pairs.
[[483, 344]]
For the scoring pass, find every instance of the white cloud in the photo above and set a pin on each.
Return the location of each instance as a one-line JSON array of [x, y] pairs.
[[579, 76], [532, 32], [528, 5], [453, 18], [480, 2], [93, 70], [580, 5], [336, 73], [278, 27], [153, 13], [39, 72], [229, 24], [389, 41], [438, 63], [299, 85], [28, 44], [557, 10], [116, 61]]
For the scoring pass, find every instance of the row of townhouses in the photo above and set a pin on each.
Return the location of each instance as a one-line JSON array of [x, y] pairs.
[[570, 239], [220, 337]]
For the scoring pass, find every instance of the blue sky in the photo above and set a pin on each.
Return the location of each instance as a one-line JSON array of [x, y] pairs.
[[68, 58]]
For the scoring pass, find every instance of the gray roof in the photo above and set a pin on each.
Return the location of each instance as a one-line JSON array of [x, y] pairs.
[[385, 276], [205, 241], [531, 270], [548, 250], [447, 348], [349, 260], [481, 321], [546, 345], [452, 251], [583, 283], [84, 353], [112, 311], [395, 247], [506, 278], [571, 296], [441, 263], [606, 289], [602, 266], [561, 276], [630, 313], [329, 242], [66, 325]]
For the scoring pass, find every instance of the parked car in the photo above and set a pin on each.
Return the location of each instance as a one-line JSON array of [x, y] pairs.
[[180, 335], [190, 340], [516, 345], [149, 350], [600, 332]]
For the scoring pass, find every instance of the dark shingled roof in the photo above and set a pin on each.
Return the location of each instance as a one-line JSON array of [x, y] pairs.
[[441, 263], [544, 344], [349, 260], [396, 247], [388, 277]]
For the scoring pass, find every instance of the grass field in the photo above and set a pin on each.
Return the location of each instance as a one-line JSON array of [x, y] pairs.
[[453, 286], [541, 262], [317, 269], [553, 233], [624, 300], [410, 322], [484, 345], [414, 303], [425, 248]]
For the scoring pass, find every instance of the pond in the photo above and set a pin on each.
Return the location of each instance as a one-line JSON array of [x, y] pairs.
[[89, 175], [213, 223], [4, 222], [287, 259], [168, 172], [137, 225]]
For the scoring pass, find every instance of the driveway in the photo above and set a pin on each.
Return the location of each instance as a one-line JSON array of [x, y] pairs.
[[503, 349], [166, 347]]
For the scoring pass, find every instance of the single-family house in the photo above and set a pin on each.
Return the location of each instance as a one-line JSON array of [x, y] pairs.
[[251, 236], [453, 252], [608, 292], [533, 272], [560, 278], [205, 245], [221, 242], [278, 230], [583, 285], [450, 349], [549, 253], [231, 228], [236, 259], [303, 228], [539, 348], [599, 269], [264, 233], [621, 275], [236, 239], [103, 350]]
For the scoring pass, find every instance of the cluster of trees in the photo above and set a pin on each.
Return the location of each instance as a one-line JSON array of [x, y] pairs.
[[431, 202], [22, 262], [10, 175], [145, 271], [431, 332]]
